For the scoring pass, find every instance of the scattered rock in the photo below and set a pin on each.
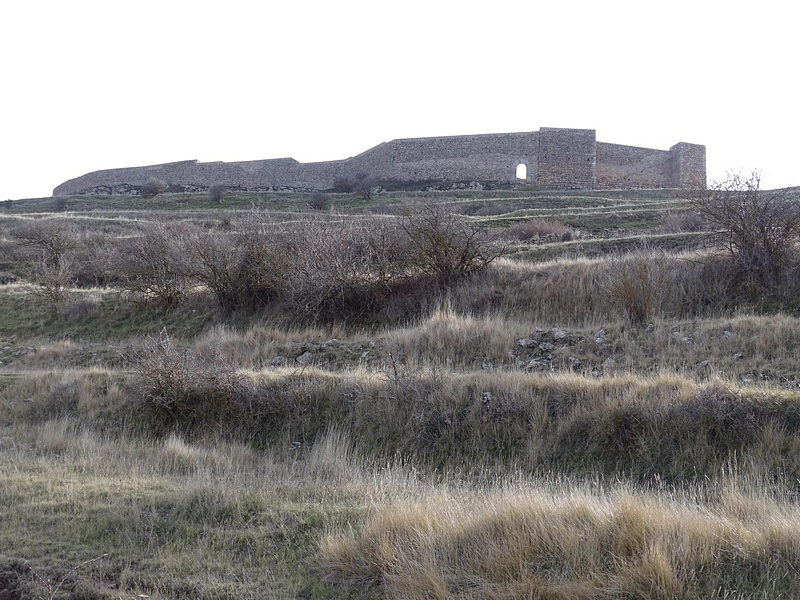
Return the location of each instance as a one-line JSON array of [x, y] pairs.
[[601, 337], [526, 343], [559, 334], [702, 364], [331, 342], [738, 356], [305, 358], [546, 347], [651, 327], [609, 364], [278, 361], [364, 354], [727, 334], [538, 363]]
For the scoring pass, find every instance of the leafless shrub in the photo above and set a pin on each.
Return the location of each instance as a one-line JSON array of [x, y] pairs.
[[762, 227], [681, 221], [244, 270], [52, 246], [93, 260], [319, 201], [539, 229], [365, 185], [345, 267], [342, 185], [154, 187], [154, 265], [446, 245], [217, 192], [49, 240], [54, 279], [183, 389]]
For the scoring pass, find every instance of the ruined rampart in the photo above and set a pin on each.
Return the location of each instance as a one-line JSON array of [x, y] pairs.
[[553, 158]]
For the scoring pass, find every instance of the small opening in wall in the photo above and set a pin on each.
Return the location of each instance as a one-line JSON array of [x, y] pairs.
[[522, 172]]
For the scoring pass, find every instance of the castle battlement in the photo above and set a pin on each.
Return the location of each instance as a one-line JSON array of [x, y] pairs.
[[553, 158]]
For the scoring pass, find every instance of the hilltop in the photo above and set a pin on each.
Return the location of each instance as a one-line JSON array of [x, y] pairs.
[[505, 393]]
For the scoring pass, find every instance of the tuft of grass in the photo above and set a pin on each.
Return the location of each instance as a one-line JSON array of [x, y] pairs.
[[569, 544]]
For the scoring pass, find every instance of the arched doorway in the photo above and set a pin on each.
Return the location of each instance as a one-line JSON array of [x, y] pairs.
[[522, 172]]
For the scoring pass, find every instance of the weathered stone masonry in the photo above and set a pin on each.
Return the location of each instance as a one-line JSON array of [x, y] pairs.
[[554, 158]]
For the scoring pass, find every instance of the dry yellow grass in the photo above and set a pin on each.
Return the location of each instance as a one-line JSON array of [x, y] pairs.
[[571, 543], [473, 442]]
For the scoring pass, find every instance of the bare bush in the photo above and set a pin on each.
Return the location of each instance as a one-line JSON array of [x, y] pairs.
[[154, 265], [446, 245], [183, 389], [342, 185], [319, 201], [762, 227], [53, 246], [217, 192], [154, 187], [681, 221], [540, 229], [244, 270], [365, 186], [49, 240], [345, 268], [54, 279], [93, 260]]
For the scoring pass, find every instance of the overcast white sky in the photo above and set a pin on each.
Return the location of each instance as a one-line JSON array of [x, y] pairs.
[[90, 85]]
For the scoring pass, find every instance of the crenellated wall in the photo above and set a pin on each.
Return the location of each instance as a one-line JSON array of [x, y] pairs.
[[555, 158]]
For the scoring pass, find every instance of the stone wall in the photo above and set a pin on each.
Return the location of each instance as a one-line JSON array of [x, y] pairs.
[[567, 158], [556, 158], [688, 165], [492, 157], [632, 167]]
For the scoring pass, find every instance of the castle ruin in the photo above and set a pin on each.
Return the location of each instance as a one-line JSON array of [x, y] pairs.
[[548, 158]]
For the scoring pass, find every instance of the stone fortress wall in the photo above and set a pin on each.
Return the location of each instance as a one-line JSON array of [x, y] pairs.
[[554, 158]]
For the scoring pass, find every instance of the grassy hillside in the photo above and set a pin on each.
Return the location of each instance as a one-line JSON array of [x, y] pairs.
[[508, 394]]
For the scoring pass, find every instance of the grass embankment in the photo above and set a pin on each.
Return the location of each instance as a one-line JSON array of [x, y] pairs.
[[622, 425]]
